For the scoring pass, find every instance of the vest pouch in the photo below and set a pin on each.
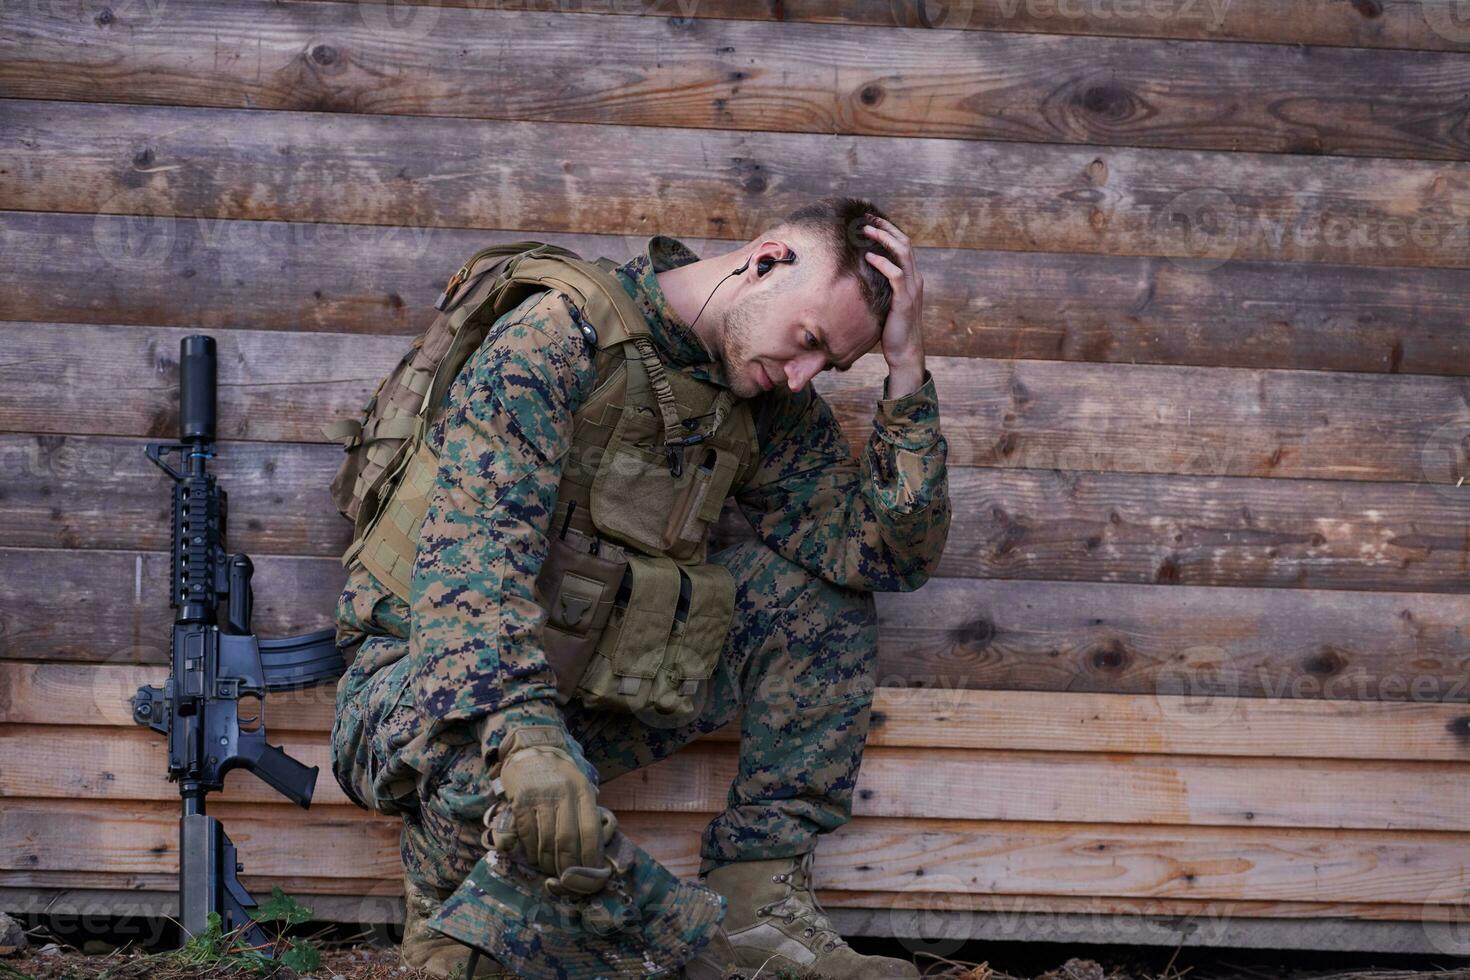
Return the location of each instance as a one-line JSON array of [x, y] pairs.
[[714, 470], [635, 498], [701, 622], [576, 588], [631, 650]]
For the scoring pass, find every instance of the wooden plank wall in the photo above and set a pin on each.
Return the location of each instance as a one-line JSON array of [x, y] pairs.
[[1196, 309]]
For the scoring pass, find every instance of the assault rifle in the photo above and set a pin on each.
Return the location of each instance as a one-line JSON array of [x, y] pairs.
[[216, 664]]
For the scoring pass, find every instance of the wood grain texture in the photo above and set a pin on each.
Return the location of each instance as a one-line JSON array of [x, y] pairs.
[[279, 386], [211, 273], [870, 854], [100, 764], [1214, 645], [1412, 24], [423, 174], [1075, 525], [117, 603], [85, 492], [41, 694], [343, 57], [380, 900]]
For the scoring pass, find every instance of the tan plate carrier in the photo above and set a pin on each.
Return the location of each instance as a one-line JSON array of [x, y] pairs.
[[635, 616]]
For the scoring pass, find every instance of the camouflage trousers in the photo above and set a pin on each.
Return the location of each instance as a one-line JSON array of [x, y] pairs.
[[798, 667]]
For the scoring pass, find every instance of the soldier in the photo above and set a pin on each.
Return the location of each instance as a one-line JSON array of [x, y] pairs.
[[458, 712]]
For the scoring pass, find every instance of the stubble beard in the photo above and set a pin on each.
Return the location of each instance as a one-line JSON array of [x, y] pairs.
[[736, 327]]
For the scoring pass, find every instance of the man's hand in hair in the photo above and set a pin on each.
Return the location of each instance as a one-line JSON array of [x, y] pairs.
[[903, 340]]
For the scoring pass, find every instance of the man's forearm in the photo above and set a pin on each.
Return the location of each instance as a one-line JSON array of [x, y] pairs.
[[904, 377]]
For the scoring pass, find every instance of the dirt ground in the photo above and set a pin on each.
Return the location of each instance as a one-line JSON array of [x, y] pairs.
[[380, 963], [30, 950]]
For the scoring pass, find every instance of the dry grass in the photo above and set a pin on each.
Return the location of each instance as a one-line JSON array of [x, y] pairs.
[[380, 963]]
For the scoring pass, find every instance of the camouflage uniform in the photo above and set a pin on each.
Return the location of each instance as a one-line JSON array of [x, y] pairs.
[[437, 678]]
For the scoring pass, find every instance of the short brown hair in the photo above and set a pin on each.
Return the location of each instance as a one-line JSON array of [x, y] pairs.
[[836, 224]]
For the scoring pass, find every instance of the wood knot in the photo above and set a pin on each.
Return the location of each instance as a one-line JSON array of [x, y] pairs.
[[1168, 572], [324, 54], [871, 95], [143, 157], [1324, 662], [1108, 101], [976, 633], [104, 17], [1111, 656]]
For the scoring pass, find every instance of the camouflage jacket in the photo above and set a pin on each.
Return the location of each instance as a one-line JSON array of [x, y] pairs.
[[878, 523]]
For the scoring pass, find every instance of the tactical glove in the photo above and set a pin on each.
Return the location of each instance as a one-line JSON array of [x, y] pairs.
[[553, 805]]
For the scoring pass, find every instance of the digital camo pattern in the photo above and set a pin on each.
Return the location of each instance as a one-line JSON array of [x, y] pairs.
[[436, 681], [798, 669]]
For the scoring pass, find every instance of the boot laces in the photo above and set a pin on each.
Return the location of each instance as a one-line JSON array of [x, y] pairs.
[[800, 905]]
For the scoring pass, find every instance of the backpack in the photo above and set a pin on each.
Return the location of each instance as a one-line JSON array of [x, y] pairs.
[[395, 420]]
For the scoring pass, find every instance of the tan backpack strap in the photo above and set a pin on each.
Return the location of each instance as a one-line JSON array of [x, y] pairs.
[[346, 431], [662, 393], [604, 301]]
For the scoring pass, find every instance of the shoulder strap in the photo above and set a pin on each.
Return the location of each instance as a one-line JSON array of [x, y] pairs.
[[595, 291], [520, 268]]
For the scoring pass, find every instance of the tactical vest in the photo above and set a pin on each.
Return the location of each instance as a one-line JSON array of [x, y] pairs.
[[635, 616]]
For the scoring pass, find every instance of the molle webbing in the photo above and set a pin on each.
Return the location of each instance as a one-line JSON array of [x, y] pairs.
[[635, 615]]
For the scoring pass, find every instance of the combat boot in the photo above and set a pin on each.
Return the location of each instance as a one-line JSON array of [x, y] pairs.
[[773, 921], [433, 952]]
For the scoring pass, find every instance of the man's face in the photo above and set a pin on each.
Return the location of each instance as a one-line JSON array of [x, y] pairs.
[[786, 334]]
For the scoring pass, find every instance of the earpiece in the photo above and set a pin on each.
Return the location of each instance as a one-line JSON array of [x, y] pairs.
[[761, 268], [764, 265]]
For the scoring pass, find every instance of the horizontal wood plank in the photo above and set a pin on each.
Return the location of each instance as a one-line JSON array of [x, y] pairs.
[[118, 603], [723, 74], [1211, 644], [102, 492], [279, 386], [1182, 724], [1395, 24], [423, 174], [917, 783], [211, 273], [379, 900], [869, 854], [1036, 721]]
